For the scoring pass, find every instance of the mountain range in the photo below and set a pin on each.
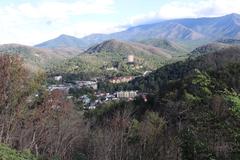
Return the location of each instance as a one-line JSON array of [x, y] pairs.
[[190, 29], [156, 43]]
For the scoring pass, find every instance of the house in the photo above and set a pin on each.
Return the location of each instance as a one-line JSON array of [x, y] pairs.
[[58, 78]]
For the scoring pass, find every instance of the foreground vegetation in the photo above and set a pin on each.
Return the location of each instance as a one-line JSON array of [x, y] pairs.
[[8, 153]]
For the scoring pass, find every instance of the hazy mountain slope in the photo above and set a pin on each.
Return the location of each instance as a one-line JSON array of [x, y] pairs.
[[63, 41], [37, 57], [229, 41], [164, 30], [180, 29], [186, 30], [220, 27], [165, 44]]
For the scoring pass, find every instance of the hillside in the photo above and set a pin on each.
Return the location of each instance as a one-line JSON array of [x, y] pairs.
[[36, 58], [192, 109], [211, 62], [215, 46], [165, 44], [209, 48], [124, 48], [109, 58]]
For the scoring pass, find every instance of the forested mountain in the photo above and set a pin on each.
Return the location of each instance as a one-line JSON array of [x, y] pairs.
[[174, 47], [193, 29], [209, 48], [113, 54], [212, 61], [62, 41], [215, 46], [124, 48], [192, 110]]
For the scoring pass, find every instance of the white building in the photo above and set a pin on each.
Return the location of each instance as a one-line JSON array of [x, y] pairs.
[[127, 94], [58, 78], [131, 59]]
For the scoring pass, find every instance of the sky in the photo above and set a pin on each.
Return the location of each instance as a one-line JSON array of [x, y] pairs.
[[31, 22]]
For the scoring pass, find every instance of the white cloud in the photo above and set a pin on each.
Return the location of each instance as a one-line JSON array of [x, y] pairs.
[[189, 9], [32, 23], [56, 10], [32, 36], [29, 23]]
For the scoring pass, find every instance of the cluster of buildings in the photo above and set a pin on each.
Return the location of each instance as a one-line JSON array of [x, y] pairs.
[[76, 84], [107, 97], [91, 102]]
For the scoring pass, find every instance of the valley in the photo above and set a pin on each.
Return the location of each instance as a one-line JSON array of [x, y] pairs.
[[161, 91]]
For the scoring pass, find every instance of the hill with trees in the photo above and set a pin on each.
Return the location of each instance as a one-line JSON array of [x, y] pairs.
[[110, 58], [36, 58], [211, 61], [192, 111]]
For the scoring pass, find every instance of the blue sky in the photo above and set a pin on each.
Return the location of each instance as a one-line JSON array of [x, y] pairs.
[[33, 21]]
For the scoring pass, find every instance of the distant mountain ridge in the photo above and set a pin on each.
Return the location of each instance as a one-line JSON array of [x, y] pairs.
[[61, 42], [180, 29]]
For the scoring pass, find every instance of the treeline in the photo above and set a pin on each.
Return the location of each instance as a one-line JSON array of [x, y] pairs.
[[32, 118]]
